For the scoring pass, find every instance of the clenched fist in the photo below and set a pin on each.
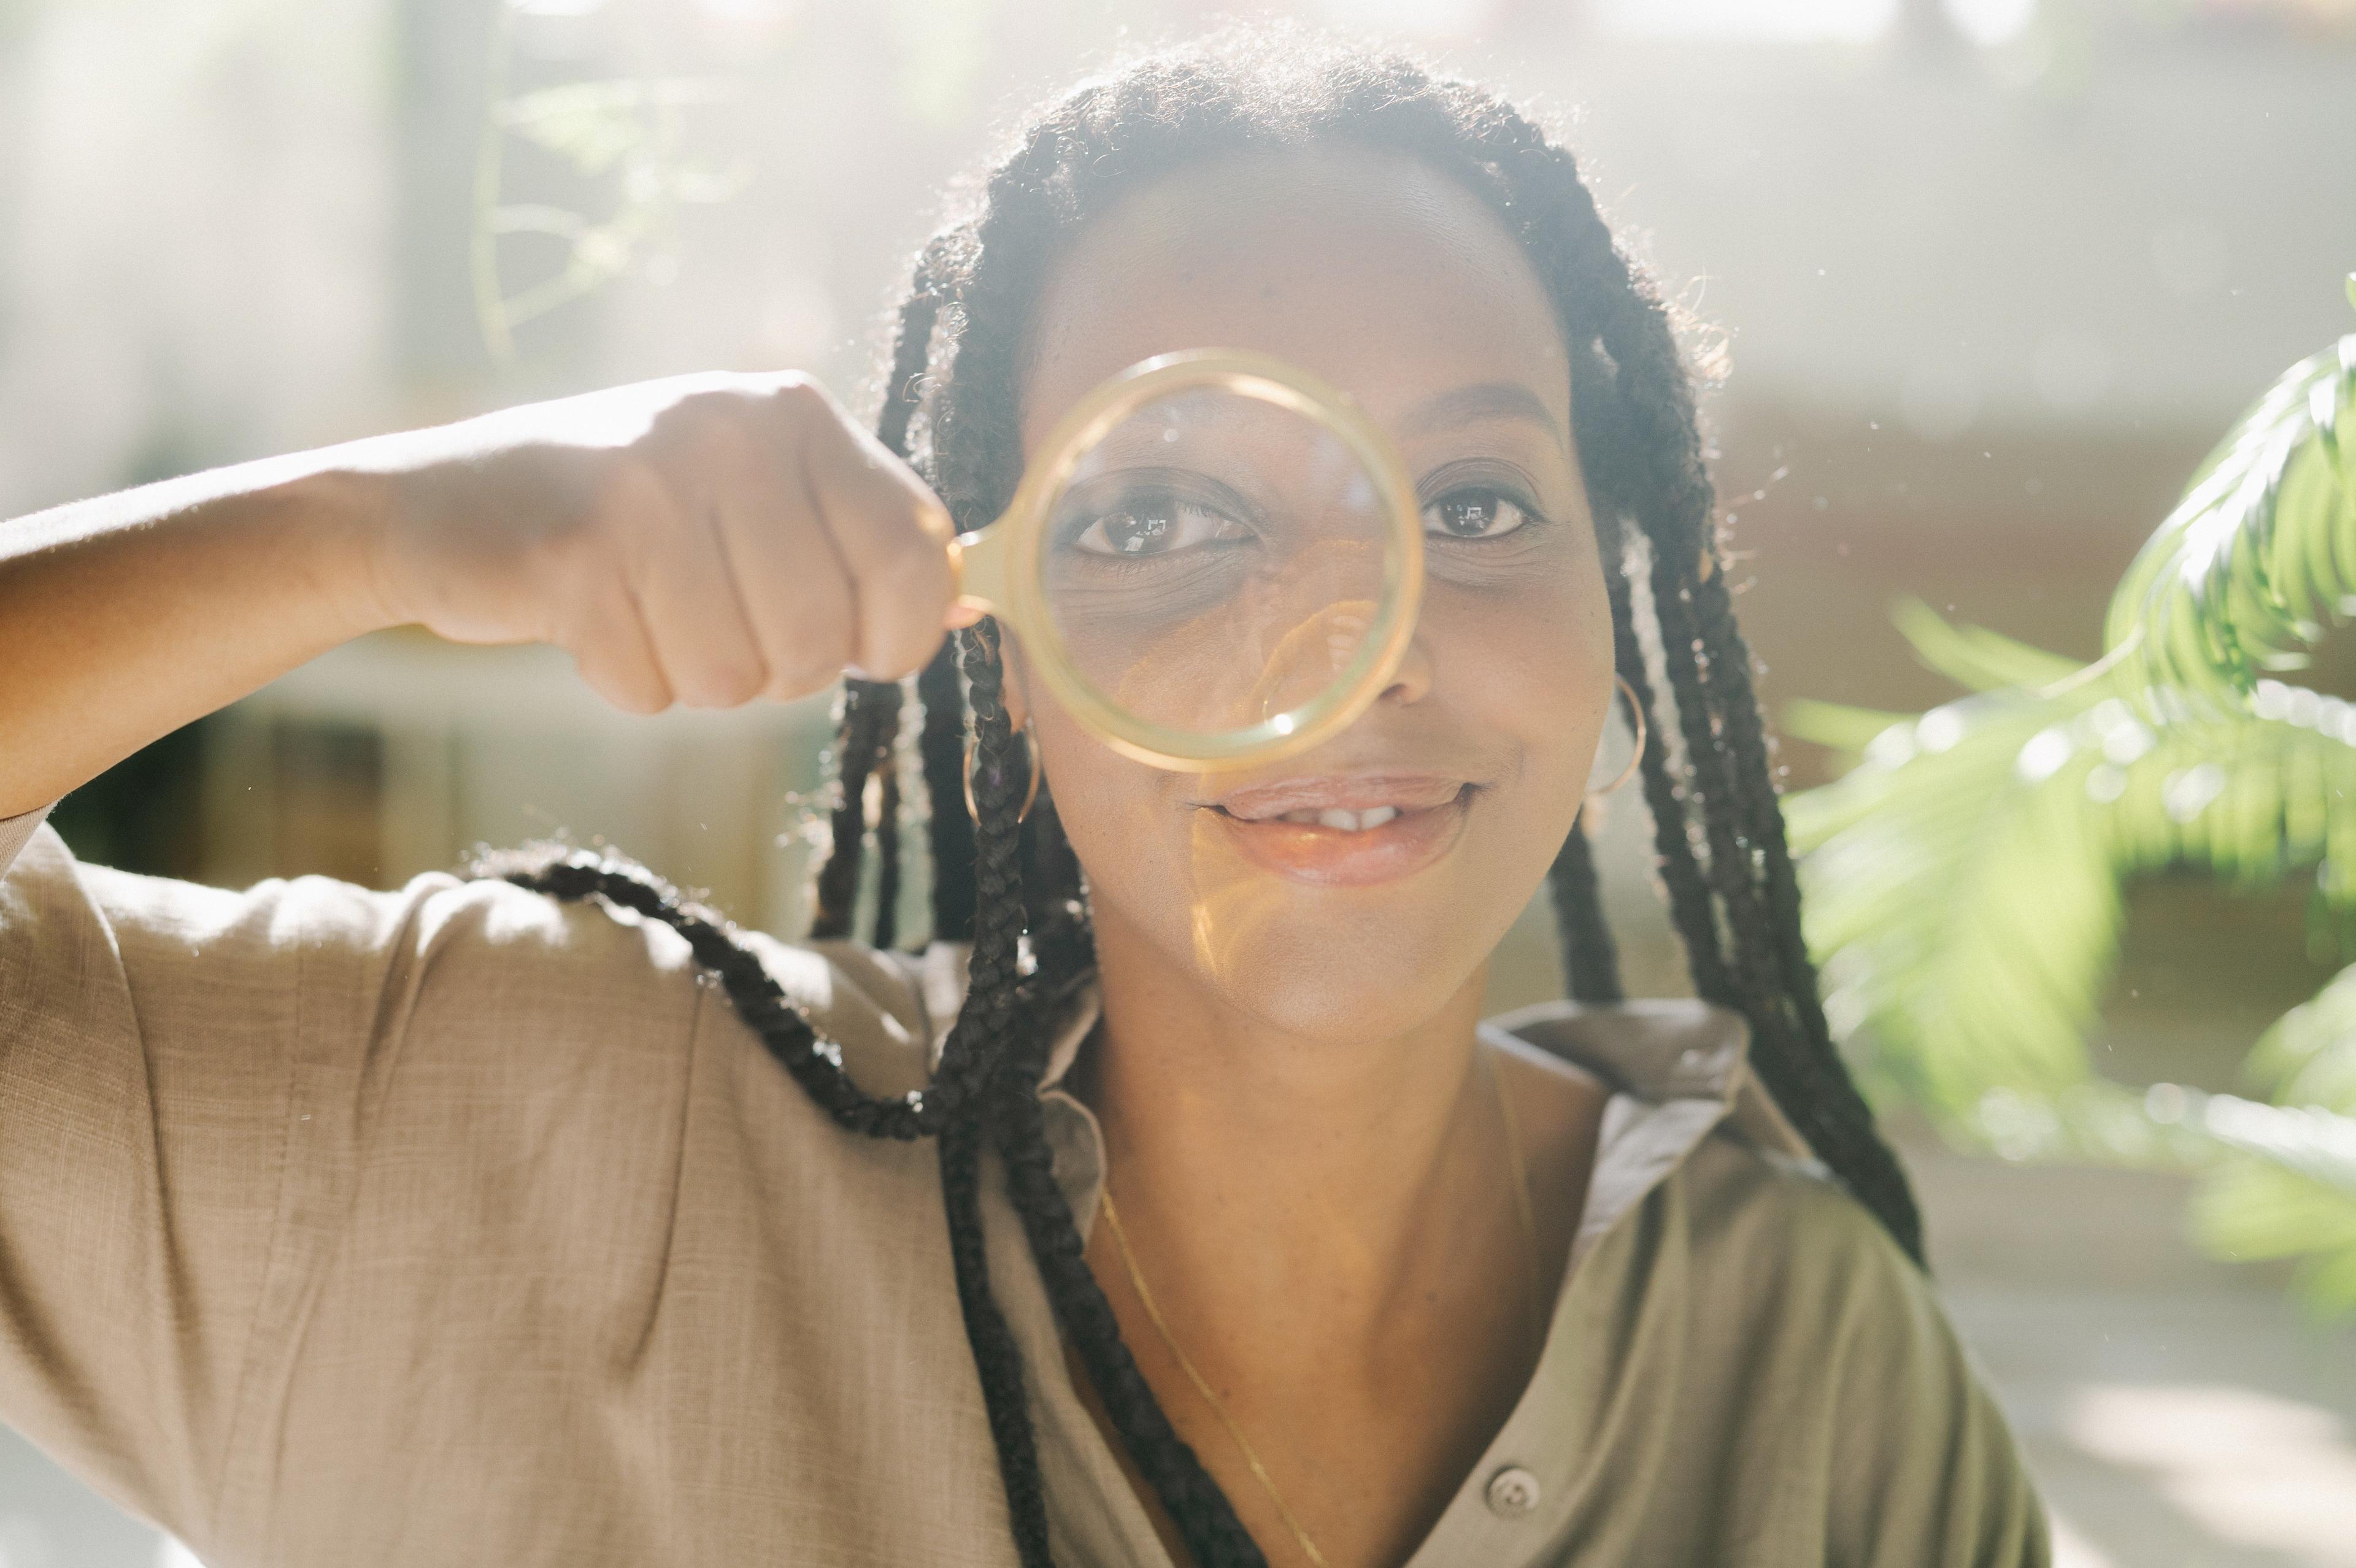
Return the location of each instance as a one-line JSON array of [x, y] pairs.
[[704, 539]]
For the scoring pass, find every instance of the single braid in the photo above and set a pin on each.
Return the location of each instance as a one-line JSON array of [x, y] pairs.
[[1206, 1520], [912, 348], [998, 1360], [1665, 796], [886, 932], [870, 715], [941, 747], [1591, 962], [1824, 1099], [1062, 941], [989, 1025]]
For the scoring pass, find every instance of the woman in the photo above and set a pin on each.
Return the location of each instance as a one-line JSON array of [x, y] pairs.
[[478, 1223]]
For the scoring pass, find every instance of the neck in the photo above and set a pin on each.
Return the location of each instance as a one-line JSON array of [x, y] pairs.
[[1307, 1193]]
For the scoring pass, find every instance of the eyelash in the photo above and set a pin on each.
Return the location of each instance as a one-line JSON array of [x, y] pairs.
[[1496, 497], [1072, 536]]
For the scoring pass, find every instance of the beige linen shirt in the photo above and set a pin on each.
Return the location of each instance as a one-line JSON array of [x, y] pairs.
[[458, 1226]]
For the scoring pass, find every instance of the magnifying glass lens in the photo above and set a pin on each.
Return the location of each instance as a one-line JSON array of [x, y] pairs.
[[1215, 562]]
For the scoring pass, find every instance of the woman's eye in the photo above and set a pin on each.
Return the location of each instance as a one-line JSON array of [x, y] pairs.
[[1474, 515], [1155, 526]]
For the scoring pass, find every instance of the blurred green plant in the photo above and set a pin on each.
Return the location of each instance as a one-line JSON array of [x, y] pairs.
[[1964, 880], [628, 135]]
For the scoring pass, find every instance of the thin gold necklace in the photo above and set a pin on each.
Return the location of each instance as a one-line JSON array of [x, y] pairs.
[[1522, 1212]]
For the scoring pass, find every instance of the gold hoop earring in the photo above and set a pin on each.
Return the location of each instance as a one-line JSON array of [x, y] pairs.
[[1636, 723], [1030, 791]]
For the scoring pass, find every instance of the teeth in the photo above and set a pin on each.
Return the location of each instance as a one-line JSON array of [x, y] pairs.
[[1346, 821]]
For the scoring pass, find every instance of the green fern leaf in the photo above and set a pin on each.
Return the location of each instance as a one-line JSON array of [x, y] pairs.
[[2259, 558]]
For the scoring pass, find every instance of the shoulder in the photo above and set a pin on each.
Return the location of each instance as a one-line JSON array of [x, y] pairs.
[[1811, 1259], [447, 964], [1837, 1341]]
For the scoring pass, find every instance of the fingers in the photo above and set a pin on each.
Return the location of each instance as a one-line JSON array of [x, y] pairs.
[[890, 531], [696, 612], [792, 601], [608, 641], [751, 542], [797, 596]]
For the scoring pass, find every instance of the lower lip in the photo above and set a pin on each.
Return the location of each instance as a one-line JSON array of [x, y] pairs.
[[1339, 858]]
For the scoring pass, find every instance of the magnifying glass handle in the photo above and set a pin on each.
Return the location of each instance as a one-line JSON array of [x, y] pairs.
[[977, 562]]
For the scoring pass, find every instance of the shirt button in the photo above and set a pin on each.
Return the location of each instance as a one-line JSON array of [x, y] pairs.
[[1513, 1492]]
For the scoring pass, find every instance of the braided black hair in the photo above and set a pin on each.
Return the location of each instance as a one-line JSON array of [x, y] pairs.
[[951, 406]]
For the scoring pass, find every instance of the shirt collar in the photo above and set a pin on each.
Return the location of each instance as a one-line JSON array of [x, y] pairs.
[[1654, 1049], [1660, 1050], [1654, 1053]]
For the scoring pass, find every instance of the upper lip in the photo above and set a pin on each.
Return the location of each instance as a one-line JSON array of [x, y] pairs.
[[1338, 792]]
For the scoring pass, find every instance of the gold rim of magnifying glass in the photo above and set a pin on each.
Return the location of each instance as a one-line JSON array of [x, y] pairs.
[[999, 566]]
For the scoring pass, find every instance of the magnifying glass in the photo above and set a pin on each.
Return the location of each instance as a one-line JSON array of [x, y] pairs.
[[1214, 560]]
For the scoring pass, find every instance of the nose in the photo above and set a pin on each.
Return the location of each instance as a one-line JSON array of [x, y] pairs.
[[1412, 680]]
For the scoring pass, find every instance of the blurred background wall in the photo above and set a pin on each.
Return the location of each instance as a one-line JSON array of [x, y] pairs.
[[1986, 277]]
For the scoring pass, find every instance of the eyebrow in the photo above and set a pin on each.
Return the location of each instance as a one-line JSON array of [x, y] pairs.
[[1481, 401]]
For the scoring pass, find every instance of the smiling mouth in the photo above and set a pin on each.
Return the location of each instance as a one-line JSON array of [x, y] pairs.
[[1331, 817], [1346, 832]]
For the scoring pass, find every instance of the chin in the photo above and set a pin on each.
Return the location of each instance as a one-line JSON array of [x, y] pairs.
[[1333, 963], [1336, 999]]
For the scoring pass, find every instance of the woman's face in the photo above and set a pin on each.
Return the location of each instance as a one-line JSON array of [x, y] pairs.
[[1396, 285]]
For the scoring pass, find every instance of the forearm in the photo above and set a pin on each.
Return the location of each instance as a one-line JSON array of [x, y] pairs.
[[123, 618]]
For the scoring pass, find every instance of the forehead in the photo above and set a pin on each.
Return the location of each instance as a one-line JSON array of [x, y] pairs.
[[1370, 269]]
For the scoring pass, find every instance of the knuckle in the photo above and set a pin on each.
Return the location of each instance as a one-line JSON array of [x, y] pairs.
[[707, 418], [794, 389], [802, 402]]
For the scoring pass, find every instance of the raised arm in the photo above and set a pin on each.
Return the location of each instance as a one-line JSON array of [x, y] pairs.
[[705, 539]]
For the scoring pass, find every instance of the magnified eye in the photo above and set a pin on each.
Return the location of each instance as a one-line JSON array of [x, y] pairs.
[[1474, 513], [1154, 523]]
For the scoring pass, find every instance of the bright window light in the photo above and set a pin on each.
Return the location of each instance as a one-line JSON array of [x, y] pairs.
[[1416, 17], [1847, 21], [1988, 23]]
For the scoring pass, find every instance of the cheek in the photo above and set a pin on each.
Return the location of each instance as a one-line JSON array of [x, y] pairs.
[[1532, 666], [1110, 806]]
